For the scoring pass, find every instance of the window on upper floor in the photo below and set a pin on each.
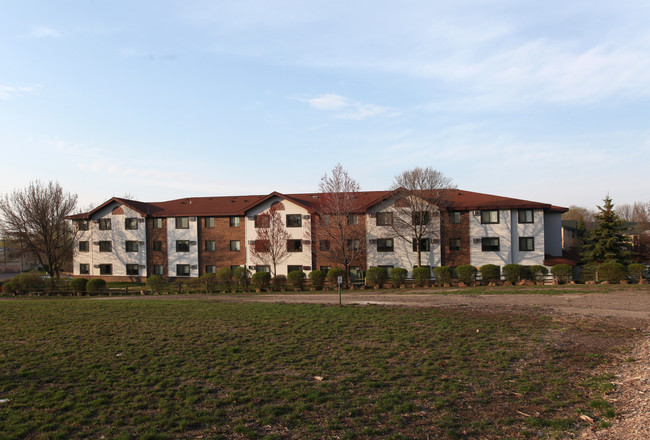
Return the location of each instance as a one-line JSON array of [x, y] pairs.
[[454, 217], [490, 216], [490, 244], [262, 221], [294, 221], [526, 244], [210, 268], [131, 246], [105, 246], [131, 223], [526, 216], [384, 218], [325, 220], [425, 245], [182, 245], [157, 245], [208, 222], [104, 224], [209, 245], [132, 269], [421, 218], [454, 244], [158, 269], [182, 270], [106, 269], [84, 269], [324, 245], [294, 245], [157, 223], [385, 245], [234, 222], [235, 245], [182, 223], [83, 246], [353, 245], [353, 219], [82, 225]]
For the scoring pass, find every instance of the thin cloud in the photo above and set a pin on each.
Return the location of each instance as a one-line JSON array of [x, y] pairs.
[[37, 32], [345, 108], [7, 92]]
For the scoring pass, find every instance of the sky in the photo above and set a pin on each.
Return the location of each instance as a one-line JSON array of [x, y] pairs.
[[157, 100]]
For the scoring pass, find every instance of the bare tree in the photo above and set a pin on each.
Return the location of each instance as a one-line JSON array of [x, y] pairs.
[[272, 239], [420, 198], [35, 216], [340, 227], [639, 212], [579, 213]]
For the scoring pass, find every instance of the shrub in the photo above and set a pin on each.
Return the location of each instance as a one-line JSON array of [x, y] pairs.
[[78, 285], [490, 272], [442, 274], [376, 276], [317, 278], [398, 276], [209, 280], [279, 282], [421, 276], [241, 276], [96, 285], [296, 278], [11, 286], [538, 273], [224, 277], [334, 273], [192, 284], [466, 273], [261, 280], [32, 282], [562, 272], [636, 271], [156, 283], [611, 272], [515, 273]]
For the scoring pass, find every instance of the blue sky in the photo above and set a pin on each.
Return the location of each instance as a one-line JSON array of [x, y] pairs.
[[546, 101]]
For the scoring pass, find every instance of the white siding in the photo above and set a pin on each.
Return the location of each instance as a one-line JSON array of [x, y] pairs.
[[502, 230], [553, 233], [191, 257], [535, 230]]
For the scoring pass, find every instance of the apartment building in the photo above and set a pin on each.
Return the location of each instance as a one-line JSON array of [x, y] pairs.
[[131, 240]]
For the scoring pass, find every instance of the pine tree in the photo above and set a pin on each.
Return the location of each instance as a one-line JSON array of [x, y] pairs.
[[607, 243]]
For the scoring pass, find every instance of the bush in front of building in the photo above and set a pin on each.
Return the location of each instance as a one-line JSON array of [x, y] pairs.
[[333, 275], [96, 285], [78, 285], [156, 283], [562, 272], [241, 275], [398, 277], [317, 278], [296, 278], [209, 282], [442, 274], [636, 271], [515, 273], [490, 273], [612, 272], [279, 282], [11, 286], [261, 280], [376, 276], [224, 277], [538, 273], [421, 276], [466, 273]]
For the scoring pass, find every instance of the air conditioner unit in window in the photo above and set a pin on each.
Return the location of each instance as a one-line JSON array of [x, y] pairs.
[[251, 242], [193, 267], [192, 219], [96, 266], [476, 213], [96, 243], [192, 243], [476, 240], [306, 268], [306, 242], [435, 241], [306, 216], [372, 241], [141, 242], [142, 266], [141, 220]]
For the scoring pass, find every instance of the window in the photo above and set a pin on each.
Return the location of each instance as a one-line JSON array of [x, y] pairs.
[[233, 267], [84, 269], [234, 222], [325, 219], [262, 221], [182, 223], [488, 217], [454, 244], [131, 246], [105, 246], [182, 270], [262, 268], [353, 219], [132, 269], [157, 223], [82, 225], [158, 269], [234, 245], [454, 217], [384, 245], [425, 245], [131, 223], [294, 268], [294, 221], [324, 245], [526, 216], [209, 245], [106, 269], [490, 244], [353, 245], [262, 246], [526, 244], [294, 245], [325, 268], [83, 246], [104, 224], [209, 222], [157, 246], [384, 218], [421, 217], [182, 245], [210, 269]]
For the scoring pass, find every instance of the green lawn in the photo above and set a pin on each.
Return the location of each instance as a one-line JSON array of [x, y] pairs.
[[84, 368]]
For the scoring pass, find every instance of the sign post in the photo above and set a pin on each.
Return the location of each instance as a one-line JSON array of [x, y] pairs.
[[340, 281]]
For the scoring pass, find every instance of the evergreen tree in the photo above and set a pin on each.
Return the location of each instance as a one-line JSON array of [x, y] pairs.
[[606, 243]]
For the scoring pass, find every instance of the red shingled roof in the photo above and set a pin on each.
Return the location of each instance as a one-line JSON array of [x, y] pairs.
[[238, 205]]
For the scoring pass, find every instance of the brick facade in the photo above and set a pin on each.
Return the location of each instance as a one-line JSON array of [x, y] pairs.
[[450, 230], [157, 257], [222, 234]]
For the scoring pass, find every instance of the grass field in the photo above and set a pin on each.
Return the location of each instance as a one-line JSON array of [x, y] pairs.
[[83, 368]]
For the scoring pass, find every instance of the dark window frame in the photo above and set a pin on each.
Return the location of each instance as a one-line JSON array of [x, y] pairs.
[[209, 222], [183, 273], [293, 221], [157, 246], [525, 241], [522, 214], [105, 246], [104, 224], [425, 245], [385, 245], [129, 223], [131, 246], [181, 245], [486, 217], [294, 245], [487, 244], [454, 217], [157, 223], [238, 246], [106, 269], [84, 246], [384, 218], [132, 270], [181, 221], [84, 269], [455, 244]]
